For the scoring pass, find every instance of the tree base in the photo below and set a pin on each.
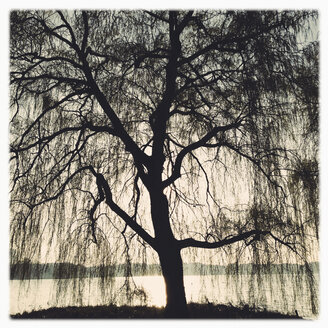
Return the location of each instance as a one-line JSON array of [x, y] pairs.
[[177, 312]]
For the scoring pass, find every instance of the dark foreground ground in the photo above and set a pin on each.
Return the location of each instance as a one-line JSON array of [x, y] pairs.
[[197, 311]]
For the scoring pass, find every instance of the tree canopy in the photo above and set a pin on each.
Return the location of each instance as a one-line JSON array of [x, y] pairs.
[[216, 111]]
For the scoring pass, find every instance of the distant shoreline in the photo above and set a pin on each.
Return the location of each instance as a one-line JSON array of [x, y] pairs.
[[29, 271]]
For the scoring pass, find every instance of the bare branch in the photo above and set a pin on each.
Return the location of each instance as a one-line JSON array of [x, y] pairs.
[[198, 144], [190, 242], [256, 162], [47, 139], [151, 13], [103, 185]]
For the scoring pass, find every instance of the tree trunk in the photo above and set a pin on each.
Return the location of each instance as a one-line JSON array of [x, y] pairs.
[[172, 269], [169, 256]]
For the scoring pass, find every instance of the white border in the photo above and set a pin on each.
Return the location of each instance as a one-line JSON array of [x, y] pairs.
[[167, 4]]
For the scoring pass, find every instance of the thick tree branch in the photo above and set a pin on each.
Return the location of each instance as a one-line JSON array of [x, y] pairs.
[[139, 156], [186, 19], [103, 185], [200, 143], [151, 13], [160, 116], [190, 242], [70, 29], [86, 31]]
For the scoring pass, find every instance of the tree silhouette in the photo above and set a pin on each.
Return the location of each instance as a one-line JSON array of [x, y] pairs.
[[134, 131]]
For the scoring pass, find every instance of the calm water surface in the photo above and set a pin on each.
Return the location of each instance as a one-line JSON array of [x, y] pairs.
[[280, 293]]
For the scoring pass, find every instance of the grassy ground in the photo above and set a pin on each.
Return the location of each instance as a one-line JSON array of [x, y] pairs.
[[123, 312]]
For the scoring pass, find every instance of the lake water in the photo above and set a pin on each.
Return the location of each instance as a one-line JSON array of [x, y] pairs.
[[280, 293]]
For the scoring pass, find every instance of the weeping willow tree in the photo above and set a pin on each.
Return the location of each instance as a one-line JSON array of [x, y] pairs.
[[140, 135]]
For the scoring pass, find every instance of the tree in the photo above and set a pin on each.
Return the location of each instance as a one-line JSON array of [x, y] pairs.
[[171, 130]]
